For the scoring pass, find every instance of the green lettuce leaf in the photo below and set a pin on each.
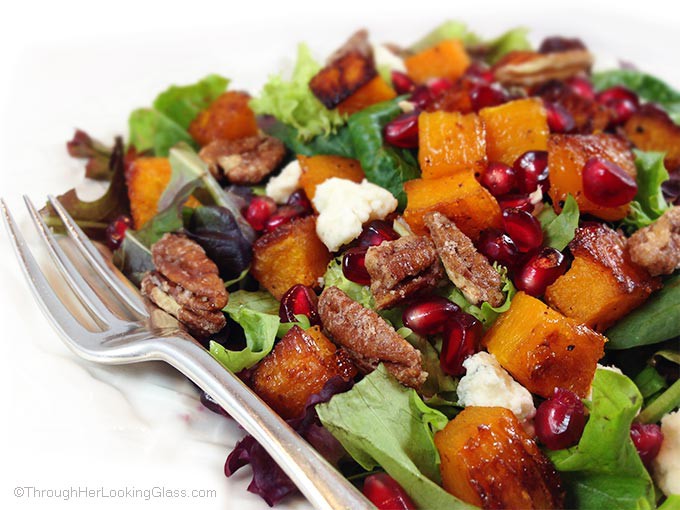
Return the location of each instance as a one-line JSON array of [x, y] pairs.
[[558, 230], [604, 470], [383, 164], [649, 201], [293, 103], [183, 103], [333, 277], [662, 404], [150, 130], [512, 40], [382, 423], [450, 29], [333, 144], [672, 503]]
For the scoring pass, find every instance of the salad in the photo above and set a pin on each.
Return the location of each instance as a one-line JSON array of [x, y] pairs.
[[452, 267]]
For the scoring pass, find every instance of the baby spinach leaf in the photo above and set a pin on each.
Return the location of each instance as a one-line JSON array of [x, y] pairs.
[[333, 144], [664, 403], [450, 29], [558, 229], [650, 382], [182, 103], [133, 258]]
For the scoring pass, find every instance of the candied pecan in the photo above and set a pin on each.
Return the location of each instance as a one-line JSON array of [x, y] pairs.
[[468, 269], [368, 339], [186, 284], [401, 268], [657, 247], [245, 160], [527, 68]]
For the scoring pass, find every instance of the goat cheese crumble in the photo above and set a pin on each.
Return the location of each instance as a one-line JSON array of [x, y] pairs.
[[667, 462], [282, 186]]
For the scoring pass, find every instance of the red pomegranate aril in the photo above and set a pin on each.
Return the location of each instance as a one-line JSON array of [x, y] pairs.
[[282, 216], [354, 266], [560, 420], [403, 131], [523, 228], [556, 44], [115, 231], [607, 184], [483, 96], [532, 171], [421, 96], [376, 232], [438, 86], [480, 73], [299, 300], [402, 83], [498, 247], [540, 271], [462, 335], [516, 201], [386, 494], [428, 316], [621, 102], [299, 199], [259, 211], [559, 119], [498, 178], [647, 438], [582, 86]]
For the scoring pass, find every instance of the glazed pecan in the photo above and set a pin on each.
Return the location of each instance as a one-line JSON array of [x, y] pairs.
[[400, 268], [368, 339], [657, 247], [468, 269], [245, 160], [186, 284], [527, 68]]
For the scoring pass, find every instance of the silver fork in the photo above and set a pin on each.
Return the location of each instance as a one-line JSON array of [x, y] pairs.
[[154, 335]]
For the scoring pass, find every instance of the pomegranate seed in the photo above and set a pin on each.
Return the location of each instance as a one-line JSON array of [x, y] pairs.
[[540, 271], [483, 96], [376, 232], [647, 439], [558, 44], [403, 131], [516, 201], [354, 266], [438, 86], [532, 171], [523, 228], [282, 216], [621, 102], [259, 211], [498, 247], [299, 300], [115, 231], [560, 420], [428, 316], [499, 178], [421, 96], [607, 184], [386, 494], [559, 119], [402, 83], [582, 86], [462, 335], [480, 73], [299, 199]]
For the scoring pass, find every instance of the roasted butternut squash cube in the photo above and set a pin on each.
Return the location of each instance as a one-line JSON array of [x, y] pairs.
[[375, 91], [299, 366], [460, 198], [568, 154], [514, 128], [316, 169], [543, 349], [448, 59], [488, 460], [291, 254], [449, 143], [651, 130], [228, 117], [615, 285]]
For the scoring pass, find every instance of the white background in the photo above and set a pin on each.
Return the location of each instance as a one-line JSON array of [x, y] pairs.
[[68, 64]]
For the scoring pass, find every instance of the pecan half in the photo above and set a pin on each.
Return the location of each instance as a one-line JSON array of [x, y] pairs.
[[527, 68], [186, 284], [468, 269], [368, 339], [245, 160], [657, 247], [400, 268]]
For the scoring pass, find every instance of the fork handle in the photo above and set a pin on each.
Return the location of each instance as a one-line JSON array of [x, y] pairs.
[[318, 480]]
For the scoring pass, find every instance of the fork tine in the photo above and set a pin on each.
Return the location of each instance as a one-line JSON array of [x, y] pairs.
[[97, 260]]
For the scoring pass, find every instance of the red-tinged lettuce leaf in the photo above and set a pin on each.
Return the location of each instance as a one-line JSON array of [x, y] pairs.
[[83, 146]]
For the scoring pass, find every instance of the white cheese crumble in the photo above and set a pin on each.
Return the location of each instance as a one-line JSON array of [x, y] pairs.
[[667, 463], [344, 206], [385, 58], [282, 186], [487, 384]]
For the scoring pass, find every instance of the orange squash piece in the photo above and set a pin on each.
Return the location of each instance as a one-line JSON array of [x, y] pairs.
[[488, 460], [448, 59], [602, 265], [460, 198], [291, 254], [316, 169], [450, 142], [375, 91], [543, 349], [652, 130], [299, 366], [514, 128], [228, 117]]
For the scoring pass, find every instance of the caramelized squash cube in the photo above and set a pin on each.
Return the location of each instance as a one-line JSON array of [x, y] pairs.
[[342, 77], [291, 254], [448, 59], [375, 91], [488, 460], [460, 198], [514, 128], [652, 130], [567, 154], [543, 349], [316, 169], [228, 118], [449, 143]]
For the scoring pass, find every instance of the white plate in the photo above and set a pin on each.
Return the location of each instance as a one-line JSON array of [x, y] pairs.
[[67, 65]]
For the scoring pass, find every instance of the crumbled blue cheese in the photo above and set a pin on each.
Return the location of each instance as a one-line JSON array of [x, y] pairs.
[[344, 206], [667, 463], [487, 384], [385, 58], [282, 186]]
